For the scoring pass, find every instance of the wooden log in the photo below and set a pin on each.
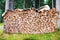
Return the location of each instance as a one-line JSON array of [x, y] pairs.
[[31, 21]]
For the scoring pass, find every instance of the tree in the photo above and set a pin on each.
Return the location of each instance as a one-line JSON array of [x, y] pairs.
[[58, 5], [11, 4], [6, 5], [24, 5], [18, 4]]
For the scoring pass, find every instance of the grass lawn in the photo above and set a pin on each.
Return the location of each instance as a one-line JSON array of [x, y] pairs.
[[48, 36], [1, 24]]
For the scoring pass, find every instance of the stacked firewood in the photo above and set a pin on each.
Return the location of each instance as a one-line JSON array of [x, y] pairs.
[[30, 21]]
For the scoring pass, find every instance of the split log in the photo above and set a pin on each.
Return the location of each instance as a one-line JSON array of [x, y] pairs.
[[31, 21]]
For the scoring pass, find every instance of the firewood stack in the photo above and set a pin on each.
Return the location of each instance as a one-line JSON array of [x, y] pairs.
[[30, 21]]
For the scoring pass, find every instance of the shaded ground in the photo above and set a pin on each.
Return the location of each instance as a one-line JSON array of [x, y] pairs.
[[48, 36]]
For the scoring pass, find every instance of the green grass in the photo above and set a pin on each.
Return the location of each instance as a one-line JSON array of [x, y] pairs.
[[48, 36], [1, 24]]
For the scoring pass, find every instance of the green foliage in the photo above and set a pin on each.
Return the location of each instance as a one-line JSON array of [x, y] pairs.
[[0, 15], [2, 8], [2, 5], [49, 3], [18, 4]]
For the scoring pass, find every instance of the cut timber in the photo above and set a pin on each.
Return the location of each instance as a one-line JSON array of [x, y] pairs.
[[30, 21]]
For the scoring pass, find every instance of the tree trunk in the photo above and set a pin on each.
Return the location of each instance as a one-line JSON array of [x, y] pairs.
[[11, 4], [58, 5], [33, 3], [39, 3], [7, 5], [58, 9], [52, 3], [24, 5]]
